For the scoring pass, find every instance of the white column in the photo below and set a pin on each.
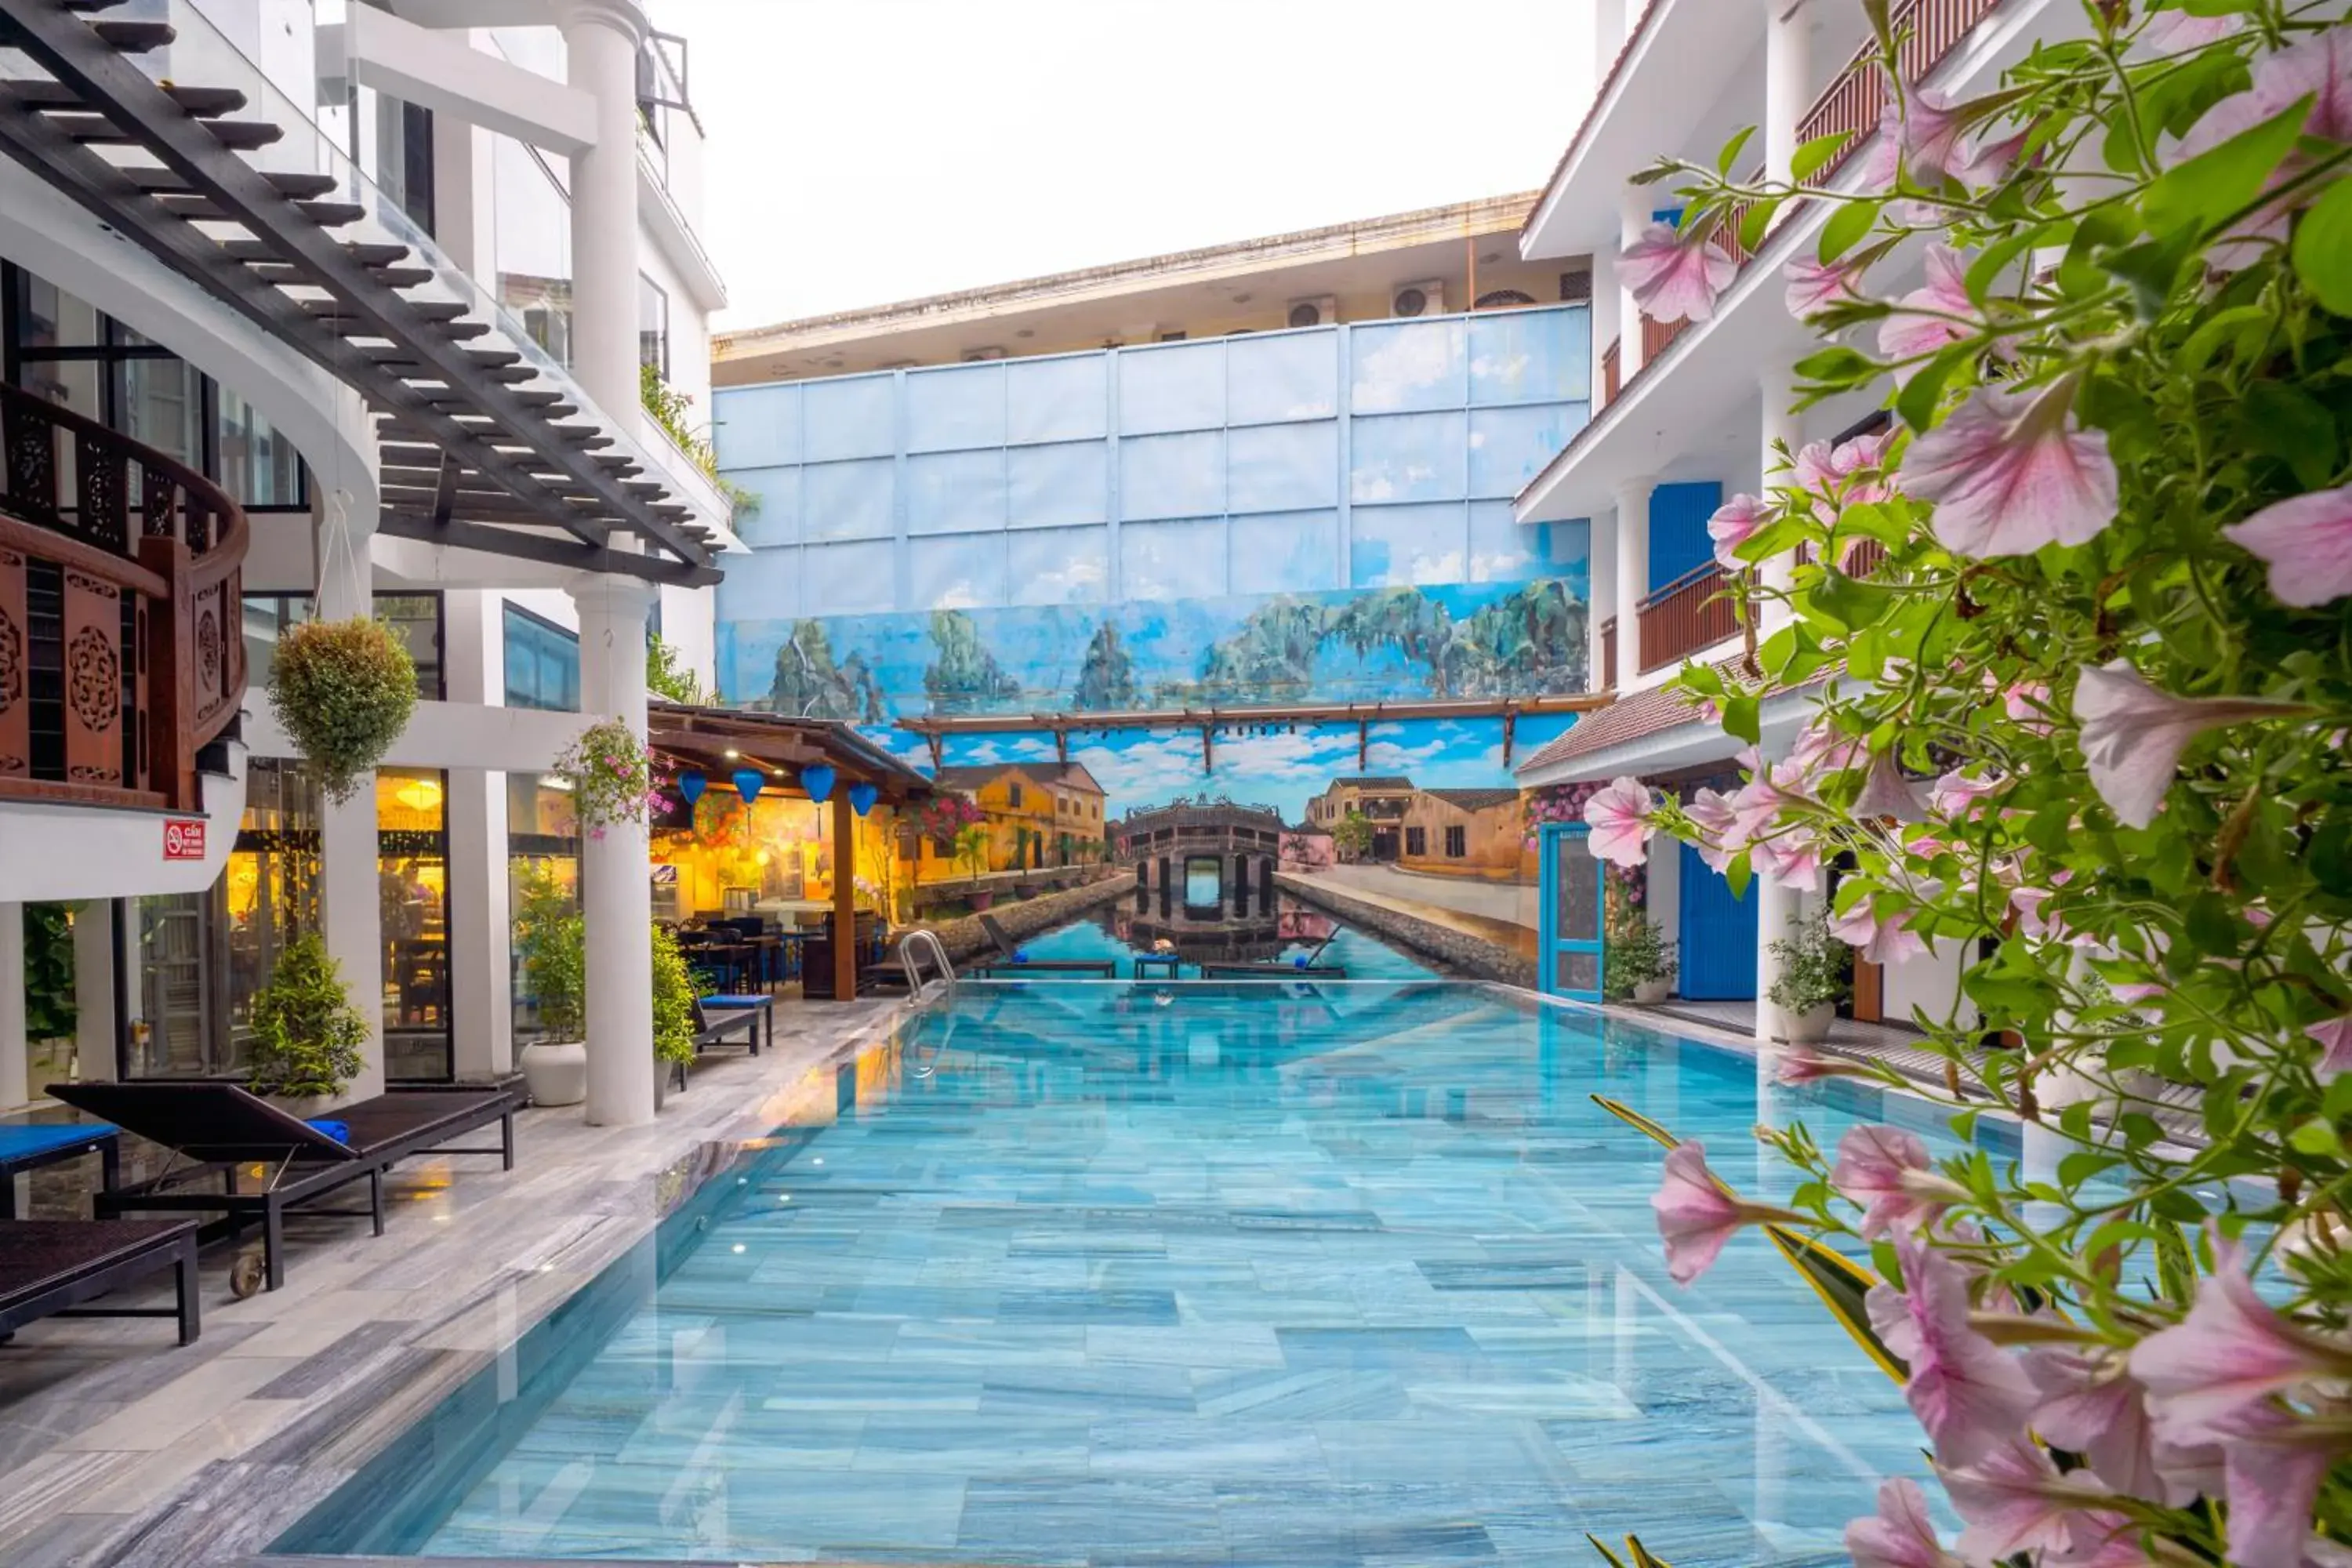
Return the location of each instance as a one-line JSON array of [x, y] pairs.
[[1632, 574], [1601, 571], [1634, 215], [1665, 904], [1780, 426], [1787, 70], [481, 971], [617, 870], [93, 948], [602, 38], [1777, 911], [15, 1052], [349, 902]]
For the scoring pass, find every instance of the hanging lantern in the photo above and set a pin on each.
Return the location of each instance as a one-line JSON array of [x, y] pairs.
[[691, 784], [817, 780], [747, 783], [862, 796]]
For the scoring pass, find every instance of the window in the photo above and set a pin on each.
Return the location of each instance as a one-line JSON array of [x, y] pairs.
[[653, 326], [1457, 842], [1416, 840], [1016, 796], [534, 241], [83, 360], [542, 663], [417, 617]]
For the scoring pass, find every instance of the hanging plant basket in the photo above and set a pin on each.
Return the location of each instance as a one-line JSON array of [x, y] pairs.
[[343, 690], [611, 777]]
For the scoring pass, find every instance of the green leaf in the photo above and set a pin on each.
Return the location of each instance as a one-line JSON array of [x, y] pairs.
[[1812, 155], [1730, 153], [1844, 1286], [2206, 340], [1642, 1556], [1737, 875], [1777, 649], [2316, 1137], [1917, 401], [2219, 184], [1742, 719], [1845, 227], [1997, 257], [2287, 423], [2323, 248], [1835, 366], [1851, 604], [1614, 1561], [1755, 221], [2152, 269]]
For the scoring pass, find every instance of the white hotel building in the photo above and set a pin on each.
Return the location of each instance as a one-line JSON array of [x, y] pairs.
[[312, 306], [1687, 414]]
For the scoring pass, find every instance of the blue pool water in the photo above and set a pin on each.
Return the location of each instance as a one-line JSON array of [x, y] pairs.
[[1118, 933], [1346, 1276]]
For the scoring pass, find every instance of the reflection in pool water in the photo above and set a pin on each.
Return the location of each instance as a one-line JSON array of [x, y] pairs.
[[1118, 931]]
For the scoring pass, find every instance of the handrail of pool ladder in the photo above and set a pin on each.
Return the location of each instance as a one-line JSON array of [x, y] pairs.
[[930, 942]]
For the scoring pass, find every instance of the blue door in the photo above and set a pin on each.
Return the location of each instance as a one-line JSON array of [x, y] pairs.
[[1568, 962], [1717, 955]]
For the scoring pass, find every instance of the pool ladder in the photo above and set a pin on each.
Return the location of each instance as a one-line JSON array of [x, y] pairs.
[[911, 946]]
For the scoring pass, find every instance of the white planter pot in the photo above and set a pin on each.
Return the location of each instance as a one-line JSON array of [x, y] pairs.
[[556, 1070], [1811, 1027], [1649, 993]]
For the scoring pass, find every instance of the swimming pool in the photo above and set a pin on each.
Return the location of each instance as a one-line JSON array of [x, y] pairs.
[[1120, 932], [1349, 1274]]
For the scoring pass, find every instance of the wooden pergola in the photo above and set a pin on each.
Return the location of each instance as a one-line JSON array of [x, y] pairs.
[[719, 741]]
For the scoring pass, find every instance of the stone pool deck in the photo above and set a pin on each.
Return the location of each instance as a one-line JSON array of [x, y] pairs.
[[121, 1450]]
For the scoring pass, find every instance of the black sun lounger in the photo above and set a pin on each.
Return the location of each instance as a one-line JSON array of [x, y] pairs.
[[48, 1268], [212, 1128], [744, 1018], [1107, 968], [1310, 970]]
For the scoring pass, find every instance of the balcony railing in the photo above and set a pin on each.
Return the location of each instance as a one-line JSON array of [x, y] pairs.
[[122, 652], [1611, 359], [1694, 610], [1609, 655]]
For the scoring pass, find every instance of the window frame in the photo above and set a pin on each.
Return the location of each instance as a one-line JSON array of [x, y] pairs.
[[1457, 842], [511, 611]]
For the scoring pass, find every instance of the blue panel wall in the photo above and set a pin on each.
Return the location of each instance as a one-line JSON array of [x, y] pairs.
[[1678, 540], [1716, 961]]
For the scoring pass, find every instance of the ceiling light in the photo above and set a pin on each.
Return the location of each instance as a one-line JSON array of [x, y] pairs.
[[730, 753]]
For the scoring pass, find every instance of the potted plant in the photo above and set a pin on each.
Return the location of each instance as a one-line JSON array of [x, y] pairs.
[[555, 967], [343, 690], [675, 989], [1812, 981], [306, 1036], [611, 777], [1638, 962]]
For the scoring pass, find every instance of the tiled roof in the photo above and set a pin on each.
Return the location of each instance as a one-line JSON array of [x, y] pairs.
[[1474, 799], [1630, 718], [1372, 781]]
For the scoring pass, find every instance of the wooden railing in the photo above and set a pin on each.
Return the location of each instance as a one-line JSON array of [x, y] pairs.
[[1610, 359], [1692, 612], [1657, 335], [1927, 29], [121, 642], [1609, 655]]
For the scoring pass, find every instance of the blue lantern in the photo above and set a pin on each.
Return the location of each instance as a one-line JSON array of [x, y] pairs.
[[747, 783], [817, 779], [691, 784], [862, 796]]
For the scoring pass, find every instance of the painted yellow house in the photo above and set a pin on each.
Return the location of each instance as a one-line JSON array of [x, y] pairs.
[[1037, 815], [1463, 832]]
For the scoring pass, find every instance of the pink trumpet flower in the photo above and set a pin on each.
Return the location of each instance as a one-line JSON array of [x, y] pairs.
[[2168, 31], [1886, 793], [1956, 793], [1734, 523], [2013, 471], [2273, 1465], [1674, 277], [1816, 284], [2307, 543], [1696, 1217], [2319, 68], [2092, 1406], [2133, 735], [1800, 1063], [1922, 323], [1619, 817], [1888, 941], [2015, 1501], [2229, 1356], [1880, 1168], [2335, 1036], [1712, 811], [1972, 1397], [1900, 1534], [1791, 860]]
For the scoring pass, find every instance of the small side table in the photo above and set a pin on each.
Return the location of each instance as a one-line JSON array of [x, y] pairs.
[[1171, 963]]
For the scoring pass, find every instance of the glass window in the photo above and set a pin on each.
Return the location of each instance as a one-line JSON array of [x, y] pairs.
[[1457, 842], [1416, 840], [255, 464], [542, 663], [534, 243], [412, 894], [653, 326], [417, 617]]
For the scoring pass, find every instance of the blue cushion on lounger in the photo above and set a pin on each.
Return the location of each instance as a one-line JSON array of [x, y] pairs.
[[735, 1001], [20, 1139], [341, 1131]]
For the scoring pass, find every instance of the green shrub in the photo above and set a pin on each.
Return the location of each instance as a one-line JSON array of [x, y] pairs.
[[306, 1036], [555, 967], [674, 994], [1636, 953], [50, 1012], [1815, 968], [344, 690]]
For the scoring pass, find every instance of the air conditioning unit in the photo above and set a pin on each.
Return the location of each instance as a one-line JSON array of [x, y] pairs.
[[974, 356], [1425, 298], [1322, 310], [1576, 286]]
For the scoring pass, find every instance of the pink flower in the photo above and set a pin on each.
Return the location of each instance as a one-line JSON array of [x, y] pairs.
[[1695, 1215], [1814, 284], [1899, 1535], [1955, 794], [2307, 543], [1801, 1064], [1986, 161], [1673, 278], [2014, 1501], [1972, 1397], [1930, 134], [2319, 67], [2271, 1469], [2091, 1406], [1619, 817], [2028, 902], [2335, 1035], [1712, 811], [2133, 735], [1733, 524], [1790, 859], [1877, 1167], [1887, 794], [2168, 31], [1821, 468], [2229, 1355], [1922, 321], [1753, 807], [2012, 471], [1889, 940]]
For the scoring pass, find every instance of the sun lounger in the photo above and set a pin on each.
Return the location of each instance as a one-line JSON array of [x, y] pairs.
[[1291, 969], [717, 1019], [49, 1268], [29, 1145], [1008, 961], [212, 1128]]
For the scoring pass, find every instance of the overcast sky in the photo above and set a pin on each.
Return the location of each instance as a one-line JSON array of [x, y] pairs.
[[867, 150]]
